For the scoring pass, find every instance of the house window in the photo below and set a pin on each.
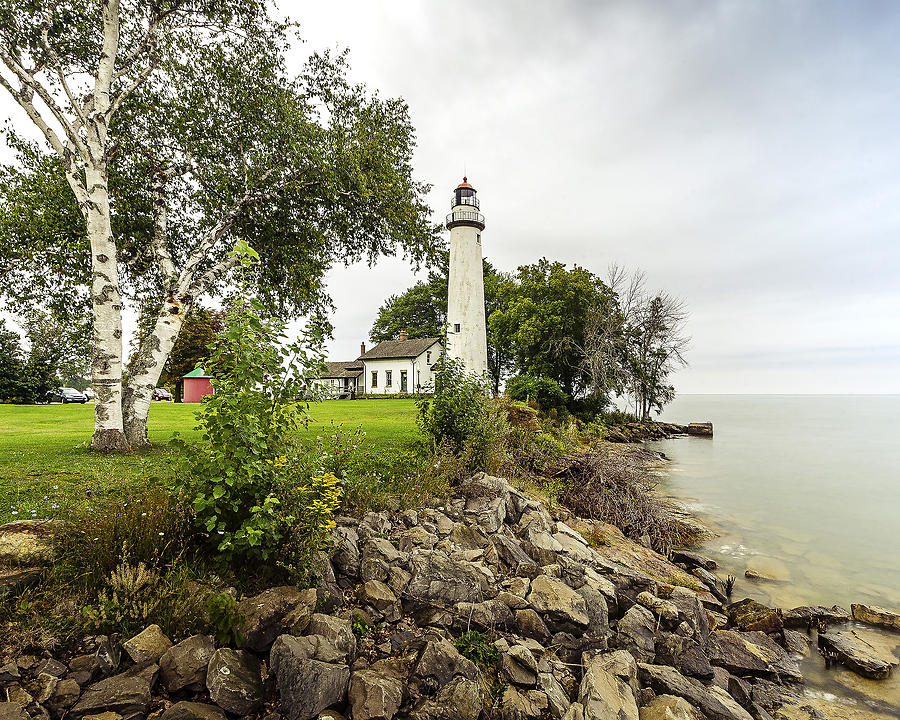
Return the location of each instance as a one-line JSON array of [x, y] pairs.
[[428, 357], [387, 378], [456, 327], [374, 378]]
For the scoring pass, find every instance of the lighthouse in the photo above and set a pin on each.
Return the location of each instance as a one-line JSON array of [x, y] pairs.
[[466, 331]]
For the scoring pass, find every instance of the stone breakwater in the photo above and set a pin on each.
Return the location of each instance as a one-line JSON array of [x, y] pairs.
[[574, 630]]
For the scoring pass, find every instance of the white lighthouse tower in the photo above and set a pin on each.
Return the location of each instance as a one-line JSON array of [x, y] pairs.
[[466, 332]]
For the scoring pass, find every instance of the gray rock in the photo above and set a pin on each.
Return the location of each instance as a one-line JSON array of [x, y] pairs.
[[685, 654], [604, 695], [127, 694], [460, 699], [192, 711], [378, 595], [555, 598], [519, 704], [875, 615], [9, 673], [557, 698], [512, 558], [439, 662], [669, 707], [375, 694], [468, 537], [635, 633], [436, 579], [752, 653], [149, 644], [307, 686], [748, 615], [84, 668], [346, 557], [518, 666], [55, 668], [337, 631], [797, 643], [58, 695], [713, 702], [858, 655], [530, 625], [490, 615], [234, 682], [184, 665], [276, 611], [806, 615], [13, 711], [691, 610], [693, 559], [664, 609], [28, 542]]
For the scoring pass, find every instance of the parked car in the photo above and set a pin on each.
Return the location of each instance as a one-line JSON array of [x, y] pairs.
[[161, 394], [66, 395], [88, 393]]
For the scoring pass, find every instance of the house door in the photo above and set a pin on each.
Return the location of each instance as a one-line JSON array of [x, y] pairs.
[[403, 381]]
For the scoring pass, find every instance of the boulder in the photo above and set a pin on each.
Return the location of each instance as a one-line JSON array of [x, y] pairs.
[[439, 662], [82, 668], [530, 625], [192, 711], [375, 693], [557, 697], [857, 654], [796, 643], [488, 615], [307, 686], [59, 695], [438, 580], [806, 615], [604, 695], [337, 631], [127, 694], [234, 682], [635, 633], [519, 667], [523, 704], [874, 615], [555, 598], [693, 559], [276, 611], [512, 558], [346, 557], [685, 654], [752, 653], [378, 595], [748, 615], [13, 711], [704, 429], [713, 702], [149, 644], [460, 699], [28, 542], [665, 609], [669, 707], [183, 666]]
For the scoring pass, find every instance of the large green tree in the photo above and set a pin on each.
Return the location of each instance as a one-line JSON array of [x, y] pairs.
[[175, 130], [543, 319], [422, 312]]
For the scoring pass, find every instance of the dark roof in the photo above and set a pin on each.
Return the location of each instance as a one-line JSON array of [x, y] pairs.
[[342, 369], [400, 348]]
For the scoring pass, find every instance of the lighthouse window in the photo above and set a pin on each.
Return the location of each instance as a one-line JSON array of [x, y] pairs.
[[478, 238], [456, 327]]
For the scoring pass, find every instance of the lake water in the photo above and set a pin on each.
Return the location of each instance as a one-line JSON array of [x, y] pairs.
[[804, 487]]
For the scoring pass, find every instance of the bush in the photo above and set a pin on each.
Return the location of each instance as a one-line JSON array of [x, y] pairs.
[[459, 418], [588, 408], [247, 427], [546, 392]]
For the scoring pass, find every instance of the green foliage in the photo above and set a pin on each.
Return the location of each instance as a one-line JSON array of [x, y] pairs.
[[360, 626], [23, 380], [226, 619], [246, 427], [474, 646], [456, 406], [543, 323], [546, 392]]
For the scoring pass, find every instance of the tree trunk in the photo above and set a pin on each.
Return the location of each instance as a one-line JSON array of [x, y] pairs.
[[146, 368], [106, 360]]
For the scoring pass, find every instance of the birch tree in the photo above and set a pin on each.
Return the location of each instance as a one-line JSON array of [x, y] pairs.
[[178, 131]]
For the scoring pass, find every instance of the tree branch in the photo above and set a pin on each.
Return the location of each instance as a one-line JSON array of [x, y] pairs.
[[54, 60]]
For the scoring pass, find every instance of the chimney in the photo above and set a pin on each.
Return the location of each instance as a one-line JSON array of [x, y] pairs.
[[404, 336], [362, 349]]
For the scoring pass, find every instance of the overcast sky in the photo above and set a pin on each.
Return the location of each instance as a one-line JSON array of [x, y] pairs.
[[744, 154]]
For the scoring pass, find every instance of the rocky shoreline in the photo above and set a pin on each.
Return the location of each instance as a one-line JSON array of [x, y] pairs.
[[634, 432], [484, 606]]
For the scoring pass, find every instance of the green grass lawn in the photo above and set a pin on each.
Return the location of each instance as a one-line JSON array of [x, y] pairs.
[[44, 449]]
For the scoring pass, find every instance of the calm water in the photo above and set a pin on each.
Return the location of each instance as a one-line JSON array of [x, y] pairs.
[[804, 487]]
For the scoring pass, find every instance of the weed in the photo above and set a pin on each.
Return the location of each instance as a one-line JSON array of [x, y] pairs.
[[227, 621], [360, 626], [474, 646]]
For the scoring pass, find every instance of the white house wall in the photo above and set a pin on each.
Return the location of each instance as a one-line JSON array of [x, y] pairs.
[[418, 371]]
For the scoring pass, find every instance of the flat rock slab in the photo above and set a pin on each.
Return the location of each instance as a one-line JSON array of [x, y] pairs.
[[858, 655], [28, 542], [713, 702], [807, 614], [127, 694], [752, 653], [874, 615]]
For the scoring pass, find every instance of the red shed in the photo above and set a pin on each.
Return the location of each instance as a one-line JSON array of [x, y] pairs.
[[197, 386]]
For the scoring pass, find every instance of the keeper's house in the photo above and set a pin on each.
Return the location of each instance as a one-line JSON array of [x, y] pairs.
[[404, 365]]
